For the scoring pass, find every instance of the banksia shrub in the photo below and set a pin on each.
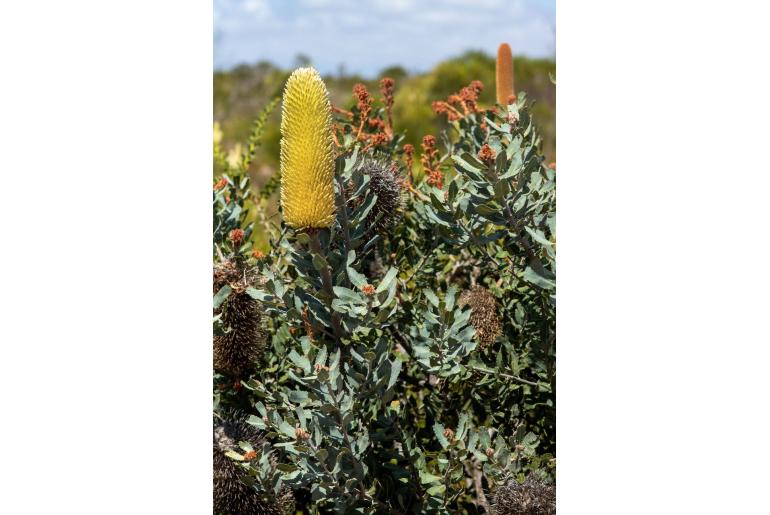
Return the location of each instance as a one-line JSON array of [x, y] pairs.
[[307, 158], [504, 74], [233, 493], [484, 316], [533, 497], [363, 392]]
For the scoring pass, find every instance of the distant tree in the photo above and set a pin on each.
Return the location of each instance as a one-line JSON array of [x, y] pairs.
[[394, 72], [302, 60]]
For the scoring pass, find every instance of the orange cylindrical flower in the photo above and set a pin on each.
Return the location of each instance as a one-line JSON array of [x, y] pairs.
[[504, 70]]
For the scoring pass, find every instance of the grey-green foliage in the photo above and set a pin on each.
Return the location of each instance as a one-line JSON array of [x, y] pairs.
[[373, 392]]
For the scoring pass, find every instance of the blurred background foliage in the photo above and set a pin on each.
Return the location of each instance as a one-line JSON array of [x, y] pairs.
[[240, 93]]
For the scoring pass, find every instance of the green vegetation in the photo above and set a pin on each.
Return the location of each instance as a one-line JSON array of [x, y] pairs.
[[401, 359]]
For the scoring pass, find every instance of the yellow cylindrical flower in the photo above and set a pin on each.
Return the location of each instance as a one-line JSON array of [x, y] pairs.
[[307, 152], [504, 70]]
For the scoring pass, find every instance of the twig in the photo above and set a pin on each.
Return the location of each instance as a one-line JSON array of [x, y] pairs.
[[507, 376], [476, 475]]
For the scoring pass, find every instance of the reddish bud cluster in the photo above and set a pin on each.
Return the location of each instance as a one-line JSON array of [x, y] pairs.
[[460, 104], [487, 155], [301, 434], [387, 86], [372, 129], [250, 455], [375, 124], [318, 367], [221, 183], [409, 159], [363, 100], [409, 155], [236, 236], [469, 95], [258, 254], [429, 162], [368, 290]]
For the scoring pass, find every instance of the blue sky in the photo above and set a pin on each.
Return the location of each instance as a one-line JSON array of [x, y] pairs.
[[367, 36]]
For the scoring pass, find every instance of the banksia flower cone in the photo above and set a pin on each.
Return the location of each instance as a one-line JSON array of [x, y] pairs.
[[237, 351], [231, 493], [386, 182], [504, 74], [533, 497], [484, 317], [307, 158]]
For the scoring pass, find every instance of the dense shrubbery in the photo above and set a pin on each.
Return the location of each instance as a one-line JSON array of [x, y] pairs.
[[399, 357]]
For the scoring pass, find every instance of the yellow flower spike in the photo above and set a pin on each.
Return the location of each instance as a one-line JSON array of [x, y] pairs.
[[504, 71], [307, 152]]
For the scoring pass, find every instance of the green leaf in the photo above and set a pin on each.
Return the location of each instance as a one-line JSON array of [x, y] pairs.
[[221, 295], [358, 280], [436, 490], [427, 478], [320, 358], [395, 369], [438, 430], [461, 425], [431, 297], [234, 455], [286, 429], [392, 273], [301, 361], [319, 263], [538, 280], [539, 237]]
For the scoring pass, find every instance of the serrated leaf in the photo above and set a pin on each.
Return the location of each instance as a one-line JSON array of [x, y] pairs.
[[432, 298], [438, 430], [301, 361], [234, 455], [395, 369]]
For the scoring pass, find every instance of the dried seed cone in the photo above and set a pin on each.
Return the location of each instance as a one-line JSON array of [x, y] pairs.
[[533, 497], [386, 182], [504, 70], [232, 496], [307, 152], [484, 316], [238, 350]]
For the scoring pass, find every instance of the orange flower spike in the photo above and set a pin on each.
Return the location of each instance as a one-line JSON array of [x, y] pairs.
[[504, 74]]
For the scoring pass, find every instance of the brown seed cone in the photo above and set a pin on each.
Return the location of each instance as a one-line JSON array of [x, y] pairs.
[[533, 497], [237, 352], [232, 496], [226, 272], [484, 317], [504, 77]]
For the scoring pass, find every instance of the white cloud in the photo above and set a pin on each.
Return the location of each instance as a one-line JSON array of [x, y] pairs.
[[258, 7]]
